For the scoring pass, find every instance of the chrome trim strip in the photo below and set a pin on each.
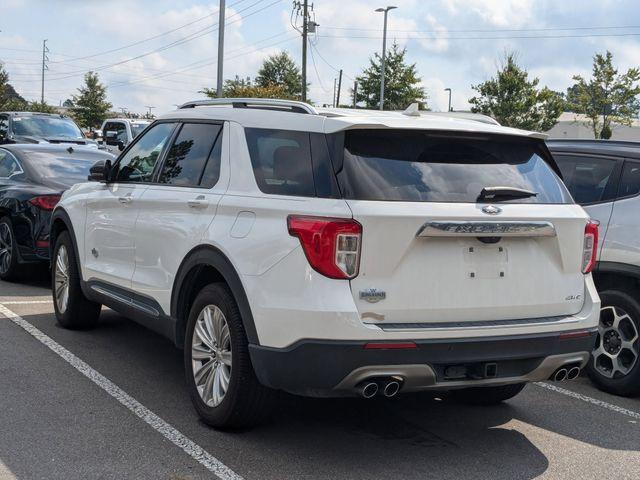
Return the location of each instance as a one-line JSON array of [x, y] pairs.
[[473, 228], [126, 300], [473, 323]]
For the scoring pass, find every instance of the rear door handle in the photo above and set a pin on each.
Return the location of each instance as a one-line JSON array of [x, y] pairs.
[[198, 202], [126, 198]]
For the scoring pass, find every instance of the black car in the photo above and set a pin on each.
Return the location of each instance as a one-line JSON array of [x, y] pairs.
[[32, 127], [32, 179]]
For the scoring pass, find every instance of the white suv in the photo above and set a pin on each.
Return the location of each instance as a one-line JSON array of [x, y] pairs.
[[334, 253]]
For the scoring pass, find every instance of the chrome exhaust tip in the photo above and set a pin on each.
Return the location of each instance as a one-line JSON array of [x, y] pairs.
[[560, 375], [573, 373], [368, 389], [391, 389]]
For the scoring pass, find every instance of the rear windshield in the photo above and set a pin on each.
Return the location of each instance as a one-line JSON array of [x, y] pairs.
[[418, 166]]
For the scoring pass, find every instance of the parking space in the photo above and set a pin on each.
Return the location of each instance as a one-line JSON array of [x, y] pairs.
[[63, 423]]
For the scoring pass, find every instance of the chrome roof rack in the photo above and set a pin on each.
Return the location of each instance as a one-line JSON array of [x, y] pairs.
[[265, 103]]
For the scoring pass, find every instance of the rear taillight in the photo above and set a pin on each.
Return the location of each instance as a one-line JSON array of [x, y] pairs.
[[332, 245], [590, 246], [45, 202]]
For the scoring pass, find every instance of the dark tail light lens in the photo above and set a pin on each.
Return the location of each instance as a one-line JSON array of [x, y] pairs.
[[332, 245], [45, 202]]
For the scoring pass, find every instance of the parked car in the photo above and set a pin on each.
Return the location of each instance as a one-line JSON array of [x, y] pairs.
[[119, 132], [334, 253], [33, 127], [604, 177], [32, 178]]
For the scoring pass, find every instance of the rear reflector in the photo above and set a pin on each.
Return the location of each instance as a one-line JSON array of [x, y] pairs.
[[42, 243], [390, 346], [45, 202], [590, 246], [572, 335]]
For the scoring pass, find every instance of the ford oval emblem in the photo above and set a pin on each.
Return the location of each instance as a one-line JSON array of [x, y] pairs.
[[491, 210]]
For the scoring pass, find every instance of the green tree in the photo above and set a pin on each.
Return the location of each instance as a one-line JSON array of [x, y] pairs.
[[515, 101], [90, 105], [280, 70], [607, 97], [244, 88], [10, 100], [401, 82]]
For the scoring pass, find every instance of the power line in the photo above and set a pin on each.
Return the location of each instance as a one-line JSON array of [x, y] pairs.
[[548, 29], [515, 37]]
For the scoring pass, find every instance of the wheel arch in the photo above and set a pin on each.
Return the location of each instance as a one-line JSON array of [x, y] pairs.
[[619, 276], [61, 222], [203, 265]]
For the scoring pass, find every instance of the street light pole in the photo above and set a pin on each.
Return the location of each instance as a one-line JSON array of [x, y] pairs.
[[448, 90], [384, 48], [220, 48]]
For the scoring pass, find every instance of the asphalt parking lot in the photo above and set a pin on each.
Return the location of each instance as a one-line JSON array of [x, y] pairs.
[[111, 403]]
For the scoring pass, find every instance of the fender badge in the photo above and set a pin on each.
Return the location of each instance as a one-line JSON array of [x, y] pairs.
[[372, 295]]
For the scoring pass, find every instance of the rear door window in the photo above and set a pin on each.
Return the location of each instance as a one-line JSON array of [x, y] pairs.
[[419, 166], [281, 161], [630, 181], [192, 151], [589, 179]]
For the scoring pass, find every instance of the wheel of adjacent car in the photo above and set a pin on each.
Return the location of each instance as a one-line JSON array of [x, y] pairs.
[[614, 365], [8, 251], [220, 377], [73, 310], [486, 395]]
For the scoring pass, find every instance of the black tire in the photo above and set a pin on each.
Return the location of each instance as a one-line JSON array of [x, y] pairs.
[[80, 313], [486, 395], [12, 273], [629, 384], [246, 402]]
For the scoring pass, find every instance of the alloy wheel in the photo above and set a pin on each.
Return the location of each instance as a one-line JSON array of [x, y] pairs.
[[61, 279], [617, 349], [211, 355], [6, 248]]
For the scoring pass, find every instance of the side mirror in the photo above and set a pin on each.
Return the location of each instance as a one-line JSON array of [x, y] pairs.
[[120, 145], [100, 171]]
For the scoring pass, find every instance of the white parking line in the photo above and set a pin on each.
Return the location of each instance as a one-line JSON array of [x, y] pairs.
[[192, 449], [25, 302], [594, 401]]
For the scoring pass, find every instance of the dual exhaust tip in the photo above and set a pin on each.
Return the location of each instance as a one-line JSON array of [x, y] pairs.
[[566, 373], [388, 387]]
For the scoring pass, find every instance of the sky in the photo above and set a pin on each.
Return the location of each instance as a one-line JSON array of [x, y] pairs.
[[161, 53]]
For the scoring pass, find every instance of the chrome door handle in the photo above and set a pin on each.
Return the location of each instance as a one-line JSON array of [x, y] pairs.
[[198, 202], [126, 199]]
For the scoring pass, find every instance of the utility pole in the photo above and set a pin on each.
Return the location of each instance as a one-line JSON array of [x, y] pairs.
[[355, 93], [448, 90], [220, 47], [45, 59], [384, 48], [339, 88], [302, 10]]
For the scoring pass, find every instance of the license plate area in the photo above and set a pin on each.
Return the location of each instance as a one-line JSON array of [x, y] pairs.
[[485, 261]]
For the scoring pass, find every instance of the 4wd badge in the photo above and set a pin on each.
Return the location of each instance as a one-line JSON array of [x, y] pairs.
[[372, 295]]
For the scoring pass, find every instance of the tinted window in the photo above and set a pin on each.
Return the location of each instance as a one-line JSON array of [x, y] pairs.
[[587, 177], [46, 127], [630, 181], [4, 126], [137, 164], [62, 167], [8, 165], [418, 166], [281, 161], [120, 129], [189, 154]]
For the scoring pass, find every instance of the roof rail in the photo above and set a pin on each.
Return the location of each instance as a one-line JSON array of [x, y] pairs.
[[292, 105]]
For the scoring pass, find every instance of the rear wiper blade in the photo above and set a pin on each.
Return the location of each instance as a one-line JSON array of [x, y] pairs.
[[490, 193]]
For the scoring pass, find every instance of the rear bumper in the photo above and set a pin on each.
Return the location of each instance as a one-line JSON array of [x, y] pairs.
[[334, 368]]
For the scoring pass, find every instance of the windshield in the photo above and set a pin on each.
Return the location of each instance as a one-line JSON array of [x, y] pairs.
[[137, 128], [37, 126], [418, 166]]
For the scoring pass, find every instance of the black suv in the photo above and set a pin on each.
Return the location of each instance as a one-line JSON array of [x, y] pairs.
[[32, 127]]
